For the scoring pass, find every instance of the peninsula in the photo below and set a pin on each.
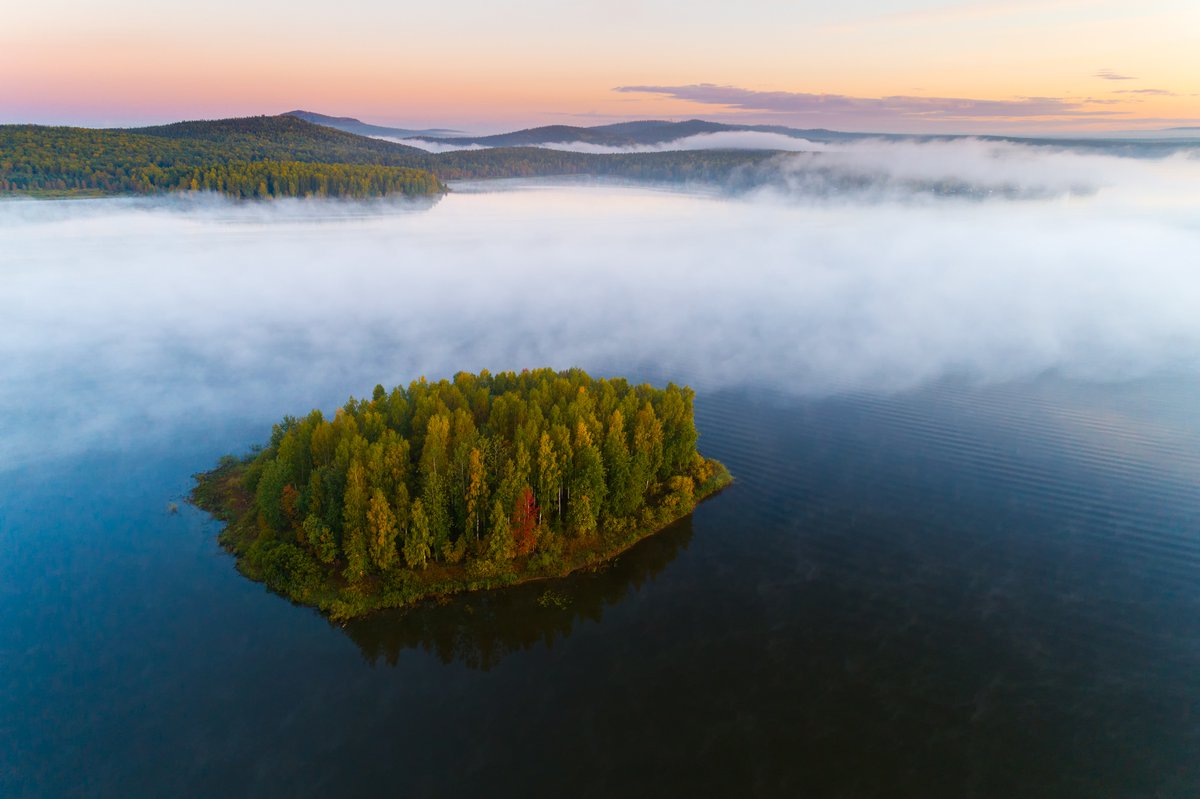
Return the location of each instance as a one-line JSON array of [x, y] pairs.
[[475, 483]]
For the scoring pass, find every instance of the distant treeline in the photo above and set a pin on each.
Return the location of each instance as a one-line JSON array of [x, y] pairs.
[[237, 153], [727, 167], [36, 159], [295, 179], [285, 156]]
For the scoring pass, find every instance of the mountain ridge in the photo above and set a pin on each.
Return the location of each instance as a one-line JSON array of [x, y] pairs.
[[360, 128], [635, 133]]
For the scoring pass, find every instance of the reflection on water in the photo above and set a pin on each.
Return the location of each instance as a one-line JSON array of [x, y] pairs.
[[480, 630]]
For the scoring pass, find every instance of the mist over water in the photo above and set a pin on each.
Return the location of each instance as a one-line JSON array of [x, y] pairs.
[[168, 310], [959, 558]]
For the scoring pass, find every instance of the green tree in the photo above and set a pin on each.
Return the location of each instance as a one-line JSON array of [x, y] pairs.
[[417, 542], [268, 495], [477, 490], [621, 495], [354, 523], [381, 527], [549, 477], [320, 539], [588, 487], [500, 546]]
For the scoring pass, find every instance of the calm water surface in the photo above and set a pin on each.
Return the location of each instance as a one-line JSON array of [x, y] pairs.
[[975, 573]]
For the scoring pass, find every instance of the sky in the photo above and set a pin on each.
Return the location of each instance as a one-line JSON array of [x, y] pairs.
[[977, 66]]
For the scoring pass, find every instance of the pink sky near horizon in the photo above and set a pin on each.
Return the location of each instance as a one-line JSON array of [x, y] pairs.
[[1054, 66]]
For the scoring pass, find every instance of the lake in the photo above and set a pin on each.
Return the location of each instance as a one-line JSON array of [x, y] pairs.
[[961, 558]]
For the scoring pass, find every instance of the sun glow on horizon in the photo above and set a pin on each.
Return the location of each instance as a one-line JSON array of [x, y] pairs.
[[966, 67]]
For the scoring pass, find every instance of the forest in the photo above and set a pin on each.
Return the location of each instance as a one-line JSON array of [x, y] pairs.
[[472, 483], [273, 156], [240, 163], [264, 157]]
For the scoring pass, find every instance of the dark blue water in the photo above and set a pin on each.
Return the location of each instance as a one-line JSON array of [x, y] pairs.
[[961, 558], [986, 592]]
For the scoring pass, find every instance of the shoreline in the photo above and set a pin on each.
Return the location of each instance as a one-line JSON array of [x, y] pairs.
[[219, 493]]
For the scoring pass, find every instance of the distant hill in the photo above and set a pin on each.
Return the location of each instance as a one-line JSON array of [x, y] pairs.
[[287, 136], [1143, 144], [352, 125], [288, 156], [248, 157], [283, 155], [628, 134]]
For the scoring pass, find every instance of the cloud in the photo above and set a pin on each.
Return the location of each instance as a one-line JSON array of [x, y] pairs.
[[431, 146], [1155, 92], [1108, 74], [902, 107], [723, 140], [128, 322]]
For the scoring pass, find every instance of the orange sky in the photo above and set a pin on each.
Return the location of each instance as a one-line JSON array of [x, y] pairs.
[[925, 65]]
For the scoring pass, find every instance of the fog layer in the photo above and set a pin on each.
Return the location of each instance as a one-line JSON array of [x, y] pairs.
[[122, 319], [724, 140]]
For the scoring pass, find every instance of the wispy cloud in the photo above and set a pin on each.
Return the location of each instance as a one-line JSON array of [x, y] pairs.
[[896, 107], [1153, 92], [1108, 74]]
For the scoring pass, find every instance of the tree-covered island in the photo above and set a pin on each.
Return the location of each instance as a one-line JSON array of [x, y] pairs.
[[476, 483]]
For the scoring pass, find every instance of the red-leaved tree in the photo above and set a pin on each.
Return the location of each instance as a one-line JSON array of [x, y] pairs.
[[524, 522]]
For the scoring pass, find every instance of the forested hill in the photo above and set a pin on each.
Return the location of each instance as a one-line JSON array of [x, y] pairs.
[[286, 156], [272, 156], [289, 137], [627, 134], [251, 157]]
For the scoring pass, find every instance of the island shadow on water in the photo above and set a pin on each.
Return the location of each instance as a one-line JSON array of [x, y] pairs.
[[479, 630]]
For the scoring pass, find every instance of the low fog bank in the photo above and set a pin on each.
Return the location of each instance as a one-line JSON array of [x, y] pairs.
[[430, 146], [123, 321], [723, 140], [894, 170]]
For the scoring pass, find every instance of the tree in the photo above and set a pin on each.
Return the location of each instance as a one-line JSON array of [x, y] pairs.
[[269, 495], [434, 462], [320, 539], [588, 488], [581, 517], [621, 498], [289, 503], [500, 546], [381, 527], [679, 430], [417, 542], [525, 522], [647, 448], [549, 475], [476, 492], [354, 523]]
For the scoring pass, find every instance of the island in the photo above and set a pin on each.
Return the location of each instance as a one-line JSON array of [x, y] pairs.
[[475, 483]]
